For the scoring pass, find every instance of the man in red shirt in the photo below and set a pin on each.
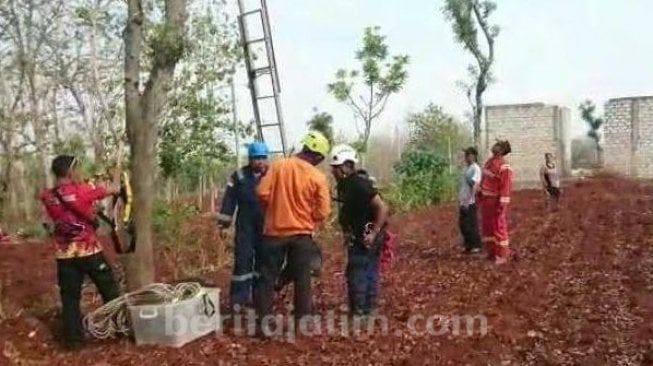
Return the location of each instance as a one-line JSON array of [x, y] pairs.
[[70, 206], [496, 186]]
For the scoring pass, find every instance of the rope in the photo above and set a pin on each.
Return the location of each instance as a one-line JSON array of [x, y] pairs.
[[113, 317]]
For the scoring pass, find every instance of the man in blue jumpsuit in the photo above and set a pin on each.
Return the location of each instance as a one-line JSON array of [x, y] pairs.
[[241, 194]]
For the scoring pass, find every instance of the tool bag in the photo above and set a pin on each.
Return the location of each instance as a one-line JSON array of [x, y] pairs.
[[388, 251]]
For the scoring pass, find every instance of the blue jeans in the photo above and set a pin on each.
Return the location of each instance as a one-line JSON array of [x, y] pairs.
[[363, 277]]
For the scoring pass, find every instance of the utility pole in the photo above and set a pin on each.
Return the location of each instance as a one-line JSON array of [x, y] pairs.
[[234, 114]]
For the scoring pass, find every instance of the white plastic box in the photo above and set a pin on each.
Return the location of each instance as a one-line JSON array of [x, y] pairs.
[[176, 324]]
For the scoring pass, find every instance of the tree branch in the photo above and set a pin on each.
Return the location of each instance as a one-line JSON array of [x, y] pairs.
[[384, 102], [486, 31]]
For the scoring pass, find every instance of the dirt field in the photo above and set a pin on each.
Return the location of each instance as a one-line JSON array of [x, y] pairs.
[[580, 292]]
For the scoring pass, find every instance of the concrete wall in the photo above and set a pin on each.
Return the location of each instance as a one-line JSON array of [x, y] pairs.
[[532, 129], [628, 136]]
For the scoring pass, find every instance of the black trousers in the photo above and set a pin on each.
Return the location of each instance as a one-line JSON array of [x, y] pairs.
[[70, 275], [300, 251], [468, 221]]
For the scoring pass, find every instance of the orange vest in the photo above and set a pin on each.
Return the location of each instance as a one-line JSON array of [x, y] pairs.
[[496, 180]]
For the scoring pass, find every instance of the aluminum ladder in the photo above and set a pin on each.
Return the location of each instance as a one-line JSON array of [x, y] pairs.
[[258, 51]]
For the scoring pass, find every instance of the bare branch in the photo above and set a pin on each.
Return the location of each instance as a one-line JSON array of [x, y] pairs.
[[384, 102]]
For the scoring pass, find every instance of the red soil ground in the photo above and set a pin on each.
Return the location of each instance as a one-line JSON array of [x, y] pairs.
[[579, 292]]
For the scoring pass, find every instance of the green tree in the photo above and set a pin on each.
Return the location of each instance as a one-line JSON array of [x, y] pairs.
[[323, 122], [197, 124], [466, 17], [382, 75], [433, 129], [587, 111], [421, 179]]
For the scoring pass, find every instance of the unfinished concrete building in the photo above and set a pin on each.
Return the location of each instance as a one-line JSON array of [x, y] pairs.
[[628, 136], [532, 129]]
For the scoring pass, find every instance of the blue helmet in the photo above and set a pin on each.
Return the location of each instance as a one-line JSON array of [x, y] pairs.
[[257, 150]]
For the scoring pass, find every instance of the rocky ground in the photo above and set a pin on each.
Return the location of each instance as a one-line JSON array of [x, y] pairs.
[[579, 292]]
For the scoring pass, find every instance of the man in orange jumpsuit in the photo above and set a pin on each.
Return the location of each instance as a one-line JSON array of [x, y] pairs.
[[494, 198]]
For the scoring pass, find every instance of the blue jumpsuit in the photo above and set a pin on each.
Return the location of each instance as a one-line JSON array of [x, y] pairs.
[[241, 194]]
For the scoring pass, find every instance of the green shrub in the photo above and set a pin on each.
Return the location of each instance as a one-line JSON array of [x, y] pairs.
[[168, 219], [422, 179]]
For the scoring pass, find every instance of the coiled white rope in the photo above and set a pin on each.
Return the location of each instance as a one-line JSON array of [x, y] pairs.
[[113, 317]]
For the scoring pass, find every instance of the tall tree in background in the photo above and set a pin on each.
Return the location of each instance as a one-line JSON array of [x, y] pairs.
[[382, 75], [323, 122], [587, 110], [434, 130], [466, 17], [144, 107], [197, 122]]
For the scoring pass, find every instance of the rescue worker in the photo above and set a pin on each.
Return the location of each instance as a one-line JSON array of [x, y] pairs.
[[494, 199], [241, 194], [550, 179], [70, 207], [468, 215], [363, 217], [295, 196]]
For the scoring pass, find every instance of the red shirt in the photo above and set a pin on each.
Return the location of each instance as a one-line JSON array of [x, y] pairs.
[[80, 197], [496, 180]]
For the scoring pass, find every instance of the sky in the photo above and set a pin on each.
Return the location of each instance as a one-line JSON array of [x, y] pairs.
[[551, 51]]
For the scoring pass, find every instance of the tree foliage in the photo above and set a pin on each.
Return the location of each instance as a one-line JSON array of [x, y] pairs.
[[322, 122], [367, 90], [434, 129], [196, 128], [422, 179], [467, 17], [594, 123]]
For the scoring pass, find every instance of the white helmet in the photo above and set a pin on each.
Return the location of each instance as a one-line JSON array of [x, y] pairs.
[[341, 154]]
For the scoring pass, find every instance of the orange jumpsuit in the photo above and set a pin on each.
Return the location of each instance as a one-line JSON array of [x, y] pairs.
[[494, 198]]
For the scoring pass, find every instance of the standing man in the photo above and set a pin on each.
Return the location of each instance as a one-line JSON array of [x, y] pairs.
[[468, 215], [496, 185], [296, 199], [70, 206], [550, 179], [363, 217], [241, 194]]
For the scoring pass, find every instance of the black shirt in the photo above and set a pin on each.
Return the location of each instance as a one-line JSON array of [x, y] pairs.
[[356, 193]]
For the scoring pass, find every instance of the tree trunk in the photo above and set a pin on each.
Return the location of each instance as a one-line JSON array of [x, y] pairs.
[[200, 196], [27, 198], [40, 131], [213, 194], [142, 114], [478, 115]]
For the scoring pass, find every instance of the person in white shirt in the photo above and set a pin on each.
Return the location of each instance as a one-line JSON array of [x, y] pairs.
[[468, 218]]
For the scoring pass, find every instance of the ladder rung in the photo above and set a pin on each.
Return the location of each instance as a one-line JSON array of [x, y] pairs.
[[262, 70], [250, 12], [265, 97], [257, 40], [269, 125]]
